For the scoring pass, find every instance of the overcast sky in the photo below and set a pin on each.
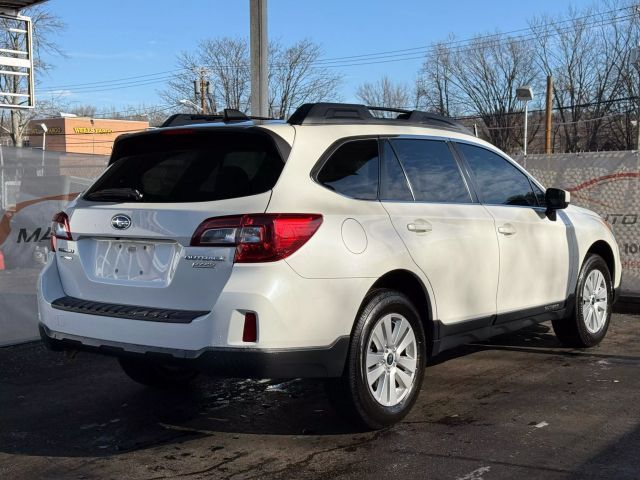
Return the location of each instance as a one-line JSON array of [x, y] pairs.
[[115, 40]]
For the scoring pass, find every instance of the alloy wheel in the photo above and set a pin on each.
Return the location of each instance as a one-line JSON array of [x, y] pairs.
[[391, 360]]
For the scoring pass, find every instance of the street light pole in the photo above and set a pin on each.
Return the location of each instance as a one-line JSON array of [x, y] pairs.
[[634, 58], [189, 103], [526, 125], [525, 94], [44, 143]]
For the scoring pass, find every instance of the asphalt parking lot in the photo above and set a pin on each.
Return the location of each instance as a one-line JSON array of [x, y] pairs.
[[519, 406]]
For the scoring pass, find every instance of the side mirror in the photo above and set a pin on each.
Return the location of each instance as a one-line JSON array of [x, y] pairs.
[[556, 198]]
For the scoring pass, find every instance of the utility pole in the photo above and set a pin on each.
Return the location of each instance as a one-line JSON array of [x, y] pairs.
[[547, 138], [259, 58], [201, 89]]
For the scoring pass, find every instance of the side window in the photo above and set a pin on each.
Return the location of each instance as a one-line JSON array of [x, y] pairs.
[[499, 182], [394, 184], [432, 170], [352, 170]]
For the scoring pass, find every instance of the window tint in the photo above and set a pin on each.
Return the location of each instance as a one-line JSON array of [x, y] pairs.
[[191, 167], [433, 172], [499, 182], [539, 195], [394, 184], [352, 170]]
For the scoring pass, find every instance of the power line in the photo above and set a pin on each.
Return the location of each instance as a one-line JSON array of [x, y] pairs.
[[413, 53], [478, 43], [556, 108], [555, 124], [134, 111], [62, 87], [462, 41]]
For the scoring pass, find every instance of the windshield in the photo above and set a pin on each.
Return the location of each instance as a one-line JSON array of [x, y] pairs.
[[189, 166]]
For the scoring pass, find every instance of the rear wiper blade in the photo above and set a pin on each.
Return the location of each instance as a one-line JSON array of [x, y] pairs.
[[115, 194]]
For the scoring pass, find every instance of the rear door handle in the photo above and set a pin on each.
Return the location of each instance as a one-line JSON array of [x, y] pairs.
[[419, 227], [507, 229]]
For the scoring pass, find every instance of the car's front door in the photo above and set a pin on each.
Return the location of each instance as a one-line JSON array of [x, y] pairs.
[[534, 249], [450, 236]]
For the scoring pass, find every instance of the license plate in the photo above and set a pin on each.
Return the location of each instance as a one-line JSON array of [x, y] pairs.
[[133, 260]]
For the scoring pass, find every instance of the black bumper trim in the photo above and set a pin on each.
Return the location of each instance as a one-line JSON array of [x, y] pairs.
[[132, 312], [223, 362]]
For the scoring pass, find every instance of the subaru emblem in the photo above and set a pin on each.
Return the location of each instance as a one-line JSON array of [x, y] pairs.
[[121, 221]]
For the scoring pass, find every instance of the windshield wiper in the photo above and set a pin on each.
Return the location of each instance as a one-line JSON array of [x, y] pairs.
[[115, 194]]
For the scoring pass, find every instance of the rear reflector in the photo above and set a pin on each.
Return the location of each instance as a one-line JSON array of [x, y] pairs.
[[258, 237], [60, 229], [250, 331]]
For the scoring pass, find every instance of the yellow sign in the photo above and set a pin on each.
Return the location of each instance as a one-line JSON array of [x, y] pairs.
[[90, 130], [51, 131]]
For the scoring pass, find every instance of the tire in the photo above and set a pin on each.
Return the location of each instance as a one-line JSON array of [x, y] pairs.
[[157, 375], [588, 323], [377, 406]]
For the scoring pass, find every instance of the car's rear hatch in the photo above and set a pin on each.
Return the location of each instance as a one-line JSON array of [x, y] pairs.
[[132, 230]]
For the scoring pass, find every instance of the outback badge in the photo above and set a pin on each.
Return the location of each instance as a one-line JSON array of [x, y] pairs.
[[204, 261]]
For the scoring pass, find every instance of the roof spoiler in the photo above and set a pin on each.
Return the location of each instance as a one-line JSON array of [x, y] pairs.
[[229, 115]]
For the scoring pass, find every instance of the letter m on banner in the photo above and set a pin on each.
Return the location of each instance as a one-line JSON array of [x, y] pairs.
[[16, 59]]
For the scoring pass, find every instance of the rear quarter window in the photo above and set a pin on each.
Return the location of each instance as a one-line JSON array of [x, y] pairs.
[[352, 170], [192, 167]]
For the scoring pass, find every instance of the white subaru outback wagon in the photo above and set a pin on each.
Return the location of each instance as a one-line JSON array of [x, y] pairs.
[[336, 245]]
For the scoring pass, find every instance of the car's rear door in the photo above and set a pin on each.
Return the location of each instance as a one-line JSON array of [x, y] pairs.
[[534, 249], [450, 236]]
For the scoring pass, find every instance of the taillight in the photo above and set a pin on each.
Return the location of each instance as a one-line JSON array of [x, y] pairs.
[[60, 229], [260, 237]]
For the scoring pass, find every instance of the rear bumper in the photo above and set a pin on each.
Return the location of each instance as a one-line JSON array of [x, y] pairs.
[[225, 362], [293, 313]]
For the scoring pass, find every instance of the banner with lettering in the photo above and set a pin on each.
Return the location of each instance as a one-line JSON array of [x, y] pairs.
[[34, 185], [607, 183]]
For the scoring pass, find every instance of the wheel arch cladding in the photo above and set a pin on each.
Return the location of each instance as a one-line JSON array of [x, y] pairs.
[[409, 284], [603, 249]]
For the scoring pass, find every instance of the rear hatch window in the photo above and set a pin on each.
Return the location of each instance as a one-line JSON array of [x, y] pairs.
[[189, 166]]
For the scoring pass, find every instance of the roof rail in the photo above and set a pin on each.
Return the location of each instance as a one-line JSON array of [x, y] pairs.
[[352, 113]]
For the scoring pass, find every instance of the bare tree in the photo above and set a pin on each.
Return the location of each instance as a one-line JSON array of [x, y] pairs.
[[587, 55], [486, 75], [434, 88], [225, 63], [155, 115], [46, 26], [385, 93], [294, 76], [295, 79], [615, 130], [84, 110]]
